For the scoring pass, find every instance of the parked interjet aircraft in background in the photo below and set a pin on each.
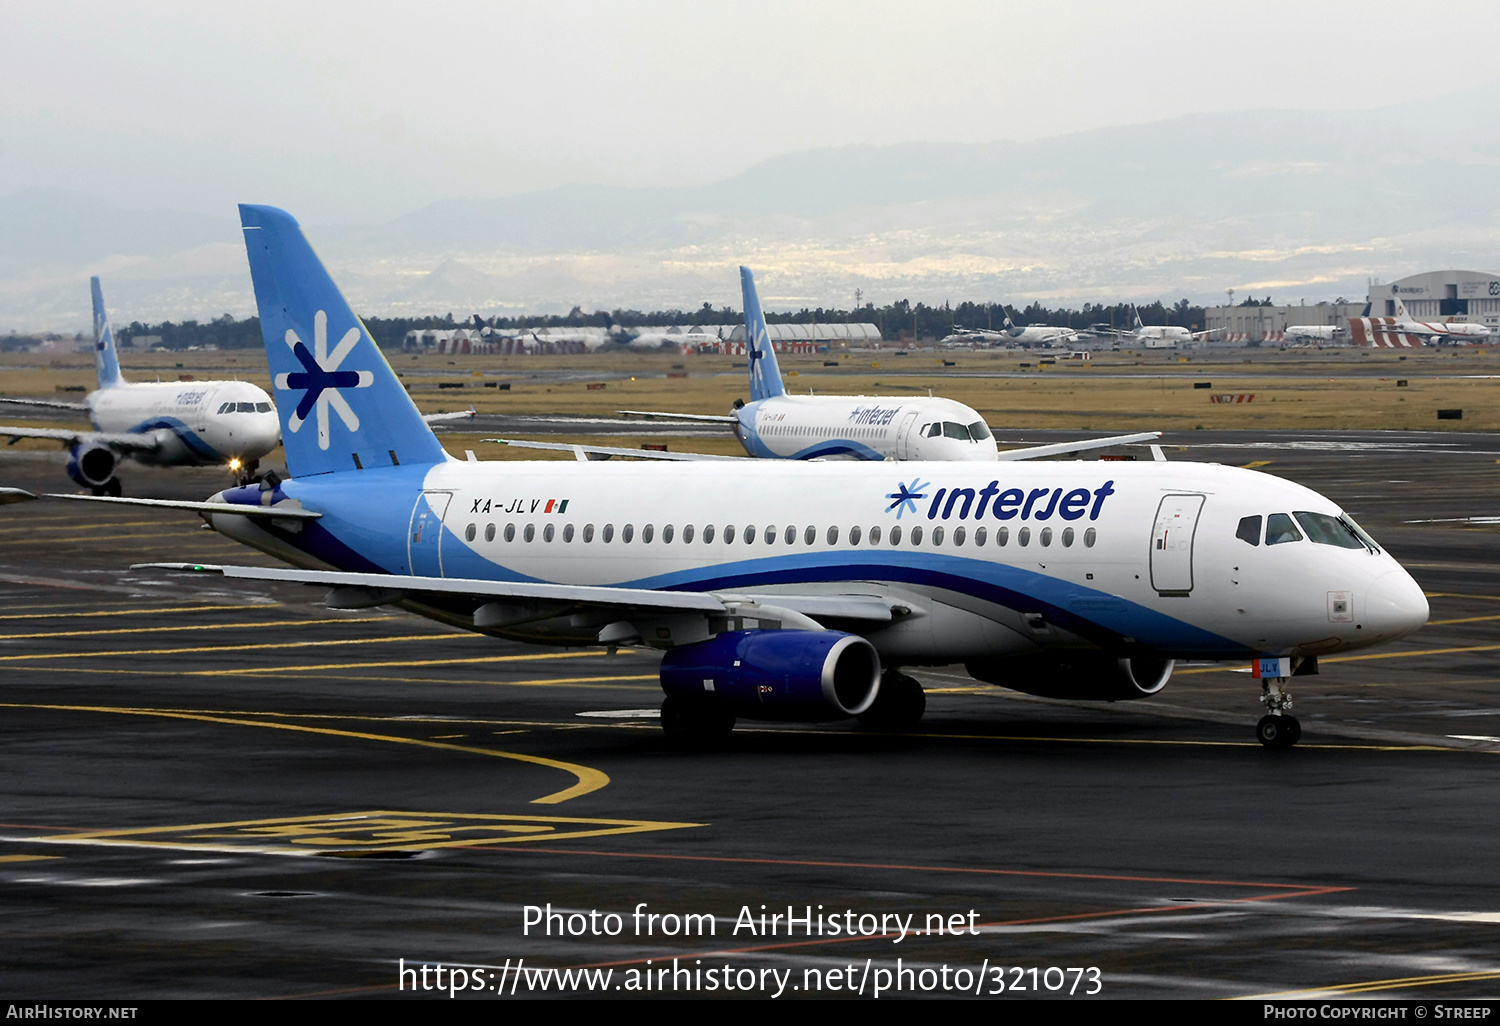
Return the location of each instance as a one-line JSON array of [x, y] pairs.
[[788, 590], [777, 425], [165, 423]]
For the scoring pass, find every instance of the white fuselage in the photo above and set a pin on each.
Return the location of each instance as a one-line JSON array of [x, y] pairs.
[[1313, 332], [863, 428], [991, 562], [204, 422]]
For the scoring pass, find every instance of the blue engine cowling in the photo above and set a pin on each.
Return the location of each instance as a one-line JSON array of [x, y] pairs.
[[777, 675], [92, 465]]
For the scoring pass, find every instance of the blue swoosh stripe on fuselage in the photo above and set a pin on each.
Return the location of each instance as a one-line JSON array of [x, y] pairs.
[[833, 447], [196, 445], [355, 534]]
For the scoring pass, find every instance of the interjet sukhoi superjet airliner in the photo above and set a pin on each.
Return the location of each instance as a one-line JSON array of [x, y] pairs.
[[166, 423], [795, 590]]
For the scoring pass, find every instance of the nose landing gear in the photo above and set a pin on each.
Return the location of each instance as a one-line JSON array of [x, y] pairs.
[[1278, 728]]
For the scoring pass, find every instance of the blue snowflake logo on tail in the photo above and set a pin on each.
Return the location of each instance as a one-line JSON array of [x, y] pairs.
[[321, 379]]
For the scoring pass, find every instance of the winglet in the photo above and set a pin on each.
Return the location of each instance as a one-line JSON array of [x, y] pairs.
[[105, 360], [765, 374]]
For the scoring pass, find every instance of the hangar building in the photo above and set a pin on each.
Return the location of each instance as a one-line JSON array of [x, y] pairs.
[[1441, 295]]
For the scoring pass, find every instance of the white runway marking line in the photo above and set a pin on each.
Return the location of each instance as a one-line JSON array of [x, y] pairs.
[[622, 714]]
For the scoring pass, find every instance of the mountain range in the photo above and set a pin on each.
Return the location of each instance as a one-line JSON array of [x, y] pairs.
[[1301, 205]]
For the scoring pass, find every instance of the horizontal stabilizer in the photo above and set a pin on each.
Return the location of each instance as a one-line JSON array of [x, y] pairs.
[[47, 404], [689, 417], [119, 442], [277, 512], [1037, 452], [603, 450]]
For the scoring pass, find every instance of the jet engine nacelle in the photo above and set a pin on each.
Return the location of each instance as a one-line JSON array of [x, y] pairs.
[[92, 465], [1084, 677], [776, 675]]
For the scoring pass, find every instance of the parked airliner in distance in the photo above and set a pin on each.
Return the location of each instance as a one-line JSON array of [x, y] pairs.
[[792, 590], [1405, 324], [1315, 333], [164, 423], [1010, 334], [778, 425]]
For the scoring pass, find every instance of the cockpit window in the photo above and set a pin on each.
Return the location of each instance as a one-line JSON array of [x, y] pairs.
[[245, 408], [1249, 530], [979, 431], [1323, 529], [262, 407], [952, 430], [226, 407], [933, 431], [1360, 532], [1280, 528]]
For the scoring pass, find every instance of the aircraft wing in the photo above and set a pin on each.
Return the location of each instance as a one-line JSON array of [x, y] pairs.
[[10, 495], [440, 418], [702, 417], [123, 442], [48, 403], [1036, 452], [394, 587], [584, 452]]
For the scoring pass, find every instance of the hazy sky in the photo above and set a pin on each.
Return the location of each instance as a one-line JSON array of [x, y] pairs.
[[359, 112]]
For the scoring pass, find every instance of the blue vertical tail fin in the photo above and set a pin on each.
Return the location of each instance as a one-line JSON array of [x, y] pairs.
[[340, 403], [106, 362], [765, 374]]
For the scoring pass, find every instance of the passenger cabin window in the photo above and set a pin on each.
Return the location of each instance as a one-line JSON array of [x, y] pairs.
[[1280, 528], [1249, 530]]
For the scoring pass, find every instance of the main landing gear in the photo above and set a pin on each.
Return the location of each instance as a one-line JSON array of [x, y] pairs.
[[695, 724], [898, 705], [1278, 728]]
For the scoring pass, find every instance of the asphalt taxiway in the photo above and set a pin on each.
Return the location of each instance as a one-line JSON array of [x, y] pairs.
[[220, 789]]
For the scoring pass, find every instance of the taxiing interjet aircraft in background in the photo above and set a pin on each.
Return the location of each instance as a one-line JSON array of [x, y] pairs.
[[164, 423], [786, 590], [777, 425]]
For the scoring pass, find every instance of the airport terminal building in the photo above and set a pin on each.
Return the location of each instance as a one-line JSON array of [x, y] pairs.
[[1240, 325], [1442, 295]]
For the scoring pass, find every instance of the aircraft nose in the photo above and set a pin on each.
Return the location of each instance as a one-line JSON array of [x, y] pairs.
[[1395, 605]]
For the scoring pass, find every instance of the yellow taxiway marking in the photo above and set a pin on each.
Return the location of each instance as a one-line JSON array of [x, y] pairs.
[[1464, 619], [249, 625], [1372, 986], [358, 832], [134, 612], [27, 858], [604, 683], [232, 648], [400, 662], [1454, 594], [589, 779], [1240, 667], [79, 524], [1403, 655], [1256, 463]]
